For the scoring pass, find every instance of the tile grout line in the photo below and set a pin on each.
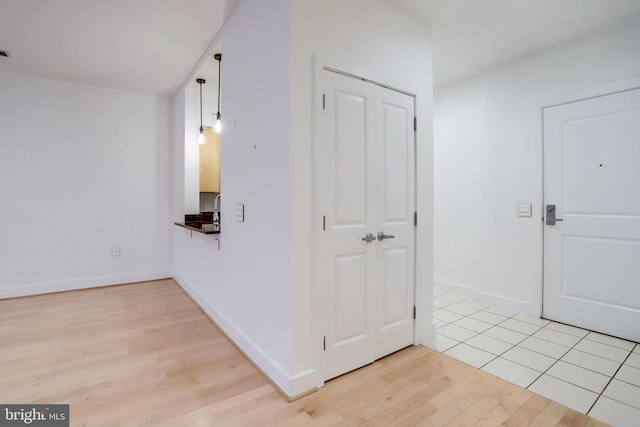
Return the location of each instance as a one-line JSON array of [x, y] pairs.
[[466, 316], [482, 333], [611, 380], [516, 345], [476, 333], [498, 339], [531, 335]]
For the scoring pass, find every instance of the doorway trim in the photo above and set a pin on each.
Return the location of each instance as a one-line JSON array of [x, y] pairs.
[[320, 66]]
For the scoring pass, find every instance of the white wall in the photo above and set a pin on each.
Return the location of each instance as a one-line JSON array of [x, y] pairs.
[[488, 149], [82, 169], [375, 40], [259, 286], [191, 148], [245, 286]]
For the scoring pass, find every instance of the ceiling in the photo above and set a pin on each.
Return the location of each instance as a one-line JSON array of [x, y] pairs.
[[135, 45], [151, 46], [470, 35]]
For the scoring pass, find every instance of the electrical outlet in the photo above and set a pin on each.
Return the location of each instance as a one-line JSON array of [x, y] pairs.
[[115, 251]]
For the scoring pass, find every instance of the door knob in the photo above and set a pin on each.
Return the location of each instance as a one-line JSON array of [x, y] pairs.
[[382, 236], [369, 238], [551, 215]]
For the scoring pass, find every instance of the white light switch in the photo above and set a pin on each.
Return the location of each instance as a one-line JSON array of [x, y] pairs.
[[524, 209], [240, 213]]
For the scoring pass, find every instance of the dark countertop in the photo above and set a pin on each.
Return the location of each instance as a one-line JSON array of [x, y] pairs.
[[200, 227]]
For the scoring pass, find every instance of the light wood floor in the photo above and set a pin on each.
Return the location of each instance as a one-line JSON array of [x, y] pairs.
[[144, 354]]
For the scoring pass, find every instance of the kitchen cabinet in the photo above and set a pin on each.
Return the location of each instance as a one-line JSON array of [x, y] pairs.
[[210, 162]]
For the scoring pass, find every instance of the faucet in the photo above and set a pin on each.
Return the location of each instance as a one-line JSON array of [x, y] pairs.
[[216, 208]]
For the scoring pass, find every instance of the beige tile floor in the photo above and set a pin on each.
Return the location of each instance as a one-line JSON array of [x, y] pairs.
[[593, 373]]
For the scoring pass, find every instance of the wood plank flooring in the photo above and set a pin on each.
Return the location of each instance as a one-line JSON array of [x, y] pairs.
[[145, 355]]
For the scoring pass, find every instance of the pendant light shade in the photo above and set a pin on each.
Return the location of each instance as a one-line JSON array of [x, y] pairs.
[[217, 126], [201, 138]]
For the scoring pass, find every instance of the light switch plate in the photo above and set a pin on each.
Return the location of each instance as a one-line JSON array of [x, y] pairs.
[[524, 209], [240, 213]]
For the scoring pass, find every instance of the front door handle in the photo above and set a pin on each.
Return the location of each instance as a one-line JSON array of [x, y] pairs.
[[382, 236], [551, 215], [369, 238]]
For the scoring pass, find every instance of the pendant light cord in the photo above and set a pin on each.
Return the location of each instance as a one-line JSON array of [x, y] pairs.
[[218, 56], [200, 107], [201, 138]]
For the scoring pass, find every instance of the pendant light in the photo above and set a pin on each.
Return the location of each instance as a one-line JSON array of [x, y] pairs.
[[201, 139], [217, 126]]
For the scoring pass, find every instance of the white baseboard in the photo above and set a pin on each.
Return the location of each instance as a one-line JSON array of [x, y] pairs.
[[487, 298], [305, 383], [291, 386], [72, 285]]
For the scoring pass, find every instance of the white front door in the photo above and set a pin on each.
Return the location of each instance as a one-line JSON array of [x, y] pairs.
[[365, 184], [592, 176]]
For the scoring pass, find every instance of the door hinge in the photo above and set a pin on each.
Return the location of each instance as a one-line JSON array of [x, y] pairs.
[[324, 343], [324, 103], [415, 123], [414, 312], [415, 218], [324, 222]]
